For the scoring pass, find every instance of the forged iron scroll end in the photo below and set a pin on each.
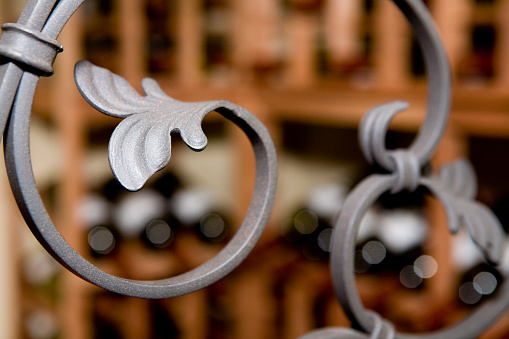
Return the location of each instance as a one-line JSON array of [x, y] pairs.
[[373, 129]]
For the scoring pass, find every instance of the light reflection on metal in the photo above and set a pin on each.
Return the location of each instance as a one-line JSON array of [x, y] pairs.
[[141, 145]]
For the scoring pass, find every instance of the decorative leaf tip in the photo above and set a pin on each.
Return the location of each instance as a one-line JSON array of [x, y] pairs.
[[141, 143], [456, 187]]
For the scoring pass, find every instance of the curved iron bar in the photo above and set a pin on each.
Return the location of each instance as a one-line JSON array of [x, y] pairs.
[[42, 21], [381, 330], [405, 165], [28, 50], [374, 126]]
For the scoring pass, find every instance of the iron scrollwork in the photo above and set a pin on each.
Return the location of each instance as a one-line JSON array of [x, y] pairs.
[[455, 187], [141, 145], [149, 120]]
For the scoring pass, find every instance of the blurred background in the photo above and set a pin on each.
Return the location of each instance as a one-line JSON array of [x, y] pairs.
[[309, 70]]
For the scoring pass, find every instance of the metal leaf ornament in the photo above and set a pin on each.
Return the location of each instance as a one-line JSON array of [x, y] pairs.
[[456, 187], [141, 143]]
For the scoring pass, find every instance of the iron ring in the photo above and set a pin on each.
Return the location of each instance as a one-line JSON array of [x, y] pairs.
[[343, 275], [21, 177]]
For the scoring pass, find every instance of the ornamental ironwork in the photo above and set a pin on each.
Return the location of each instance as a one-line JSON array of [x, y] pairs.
[[141, 145]]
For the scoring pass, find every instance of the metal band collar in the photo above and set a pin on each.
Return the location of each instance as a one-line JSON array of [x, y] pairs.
[[34, 51]]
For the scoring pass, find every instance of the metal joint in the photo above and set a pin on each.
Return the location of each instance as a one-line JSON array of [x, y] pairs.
[[33, 51], [141, 145]]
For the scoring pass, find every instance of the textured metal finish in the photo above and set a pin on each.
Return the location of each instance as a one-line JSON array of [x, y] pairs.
[[141, 145], [156, 115], [45, 16], [23, 185], [18, 44]]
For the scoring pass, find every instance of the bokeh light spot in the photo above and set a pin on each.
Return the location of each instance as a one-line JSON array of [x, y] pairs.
[[409, 278], [305, 222], [425, 266], [469, 294], [101, 240], [485, 283], [159, 233], [374, 252]]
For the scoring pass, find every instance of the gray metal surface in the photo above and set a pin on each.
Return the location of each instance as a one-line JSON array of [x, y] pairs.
[[141, 145], [455, 187], [156, 116]]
